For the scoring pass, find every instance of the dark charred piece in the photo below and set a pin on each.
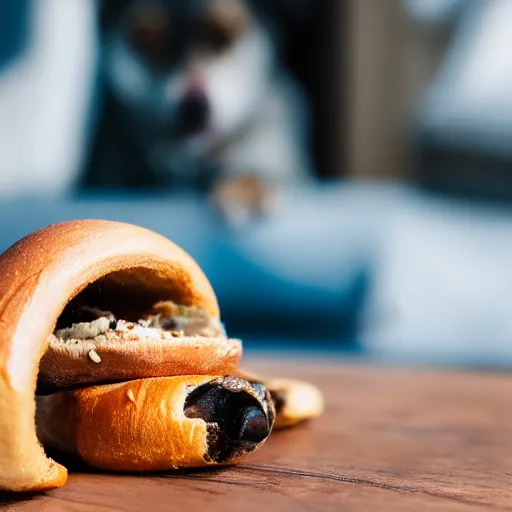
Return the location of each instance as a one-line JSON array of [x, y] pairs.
[[239, 414]]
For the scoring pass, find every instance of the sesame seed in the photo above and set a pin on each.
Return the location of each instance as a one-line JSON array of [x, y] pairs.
[[94, 356]]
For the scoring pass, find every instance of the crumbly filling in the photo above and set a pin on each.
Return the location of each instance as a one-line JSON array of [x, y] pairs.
[[166, 320]]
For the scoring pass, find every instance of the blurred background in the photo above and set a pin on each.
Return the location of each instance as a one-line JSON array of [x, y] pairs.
[[385, 125]]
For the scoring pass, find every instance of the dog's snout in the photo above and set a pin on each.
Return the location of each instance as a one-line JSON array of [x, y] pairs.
[[194, 111]]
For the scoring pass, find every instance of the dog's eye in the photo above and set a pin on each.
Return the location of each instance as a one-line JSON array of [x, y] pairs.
[[215, 38], [225, 22], [149, 35]]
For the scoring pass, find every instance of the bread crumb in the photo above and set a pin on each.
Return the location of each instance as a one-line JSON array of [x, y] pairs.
[[130, 395]]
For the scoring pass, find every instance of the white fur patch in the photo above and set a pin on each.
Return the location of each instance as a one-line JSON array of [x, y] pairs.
[[237, 82]]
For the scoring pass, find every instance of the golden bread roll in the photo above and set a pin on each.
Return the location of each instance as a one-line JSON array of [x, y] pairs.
[[295, 401], [46, 280], [158, 424]]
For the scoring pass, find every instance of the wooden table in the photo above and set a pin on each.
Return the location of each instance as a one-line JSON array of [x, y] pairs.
[[390, 440]]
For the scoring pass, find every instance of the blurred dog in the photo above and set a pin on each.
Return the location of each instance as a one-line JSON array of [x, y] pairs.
[[195, 97]]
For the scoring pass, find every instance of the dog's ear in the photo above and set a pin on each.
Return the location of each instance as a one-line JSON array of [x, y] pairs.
[[109, 13]]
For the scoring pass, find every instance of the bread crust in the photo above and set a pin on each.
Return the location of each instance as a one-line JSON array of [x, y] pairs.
[[136, 426], [39, 275], [296, 401]]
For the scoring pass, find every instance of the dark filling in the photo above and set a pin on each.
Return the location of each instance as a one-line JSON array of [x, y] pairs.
[[126, 294], [236, 420], [140, 296], [83, 313]]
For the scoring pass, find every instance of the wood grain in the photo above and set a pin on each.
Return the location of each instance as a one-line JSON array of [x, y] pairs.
[[391, 439]]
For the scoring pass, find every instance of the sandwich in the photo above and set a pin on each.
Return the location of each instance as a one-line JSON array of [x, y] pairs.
[[112, 350]]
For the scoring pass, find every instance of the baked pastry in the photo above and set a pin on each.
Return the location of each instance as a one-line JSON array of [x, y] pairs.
[[157, 424], [295, 401]]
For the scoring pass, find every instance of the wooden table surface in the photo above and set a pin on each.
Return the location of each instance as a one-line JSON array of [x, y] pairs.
[[390, 440]]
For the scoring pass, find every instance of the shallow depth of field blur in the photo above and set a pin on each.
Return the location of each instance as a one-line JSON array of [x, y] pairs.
[[400, 250]]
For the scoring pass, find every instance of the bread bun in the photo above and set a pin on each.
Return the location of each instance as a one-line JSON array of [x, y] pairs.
[[295, 401], [158, 424], [40, 275]]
